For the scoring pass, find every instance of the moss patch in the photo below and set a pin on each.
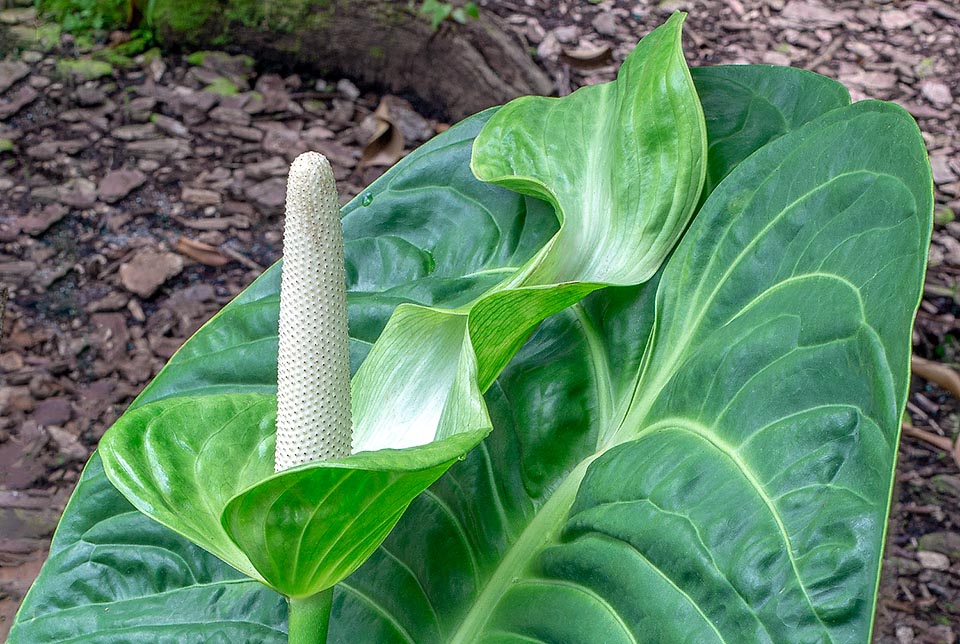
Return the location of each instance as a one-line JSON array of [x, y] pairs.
[[48, 36], [198, 57], [151, 54], [6, 145], [135, 46], [85, 68], [114, 58], [83, 43], [187, 17], [221, 60], [189, 22], [277, 16], [223, 87], [944, 215], [83, 16], [314, 105]]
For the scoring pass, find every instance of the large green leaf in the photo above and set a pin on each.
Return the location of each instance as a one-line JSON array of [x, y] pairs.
[[772, 387], [733, 486], [604, 506], [115, 576]]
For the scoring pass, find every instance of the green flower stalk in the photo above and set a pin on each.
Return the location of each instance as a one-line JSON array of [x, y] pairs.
[[313, 365]]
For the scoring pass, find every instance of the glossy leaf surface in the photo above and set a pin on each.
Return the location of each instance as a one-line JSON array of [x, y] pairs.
[[170, 461], [697, 489], [113, 575], [310, 527], [747, 106], [745, 487]]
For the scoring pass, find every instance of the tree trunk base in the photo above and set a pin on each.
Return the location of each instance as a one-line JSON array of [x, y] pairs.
[[457, 70]]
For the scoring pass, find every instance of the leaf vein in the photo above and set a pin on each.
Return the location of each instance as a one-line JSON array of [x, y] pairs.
[[705, 434]]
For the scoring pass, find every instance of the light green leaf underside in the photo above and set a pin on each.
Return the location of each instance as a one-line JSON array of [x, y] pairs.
[[299, 531], [560, 409], [622, 162], [308, 528], [169, 460], [438, 390]]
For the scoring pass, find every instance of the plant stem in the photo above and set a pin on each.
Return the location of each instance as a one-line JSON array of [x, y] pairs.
[[309, 618]]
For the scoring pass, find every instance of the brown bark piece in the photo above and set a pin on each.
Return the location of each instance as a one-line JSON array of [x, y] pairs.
[[148, 270]]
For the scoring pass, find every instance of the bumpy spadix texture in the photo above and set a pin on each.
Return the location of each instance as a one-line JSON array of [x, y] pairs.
[[313, 379]]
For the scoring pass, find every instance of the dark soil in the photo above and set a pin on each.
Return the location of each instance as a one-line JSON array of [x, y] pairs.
[[135, 203]]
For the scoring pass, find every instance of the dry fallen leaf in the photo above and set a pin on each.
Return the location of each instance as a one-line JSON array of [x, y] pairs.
[[215, 223], [947, 378], [941, 374], [200, 252], [385, 146], [587, 56], [412, 125], [940, 442]]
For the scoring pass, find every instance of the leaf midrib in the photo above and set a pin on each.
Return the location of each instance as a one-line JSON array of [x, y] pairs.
[[549, 518], [541, 530]]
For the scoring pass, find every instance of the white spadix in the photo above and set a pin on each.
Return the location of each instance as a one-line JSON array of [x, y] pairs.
[[313, 366]]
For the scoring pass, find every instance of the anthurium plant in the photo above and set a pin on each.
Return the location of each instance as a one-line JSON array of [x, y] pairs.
[[628, 366]]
